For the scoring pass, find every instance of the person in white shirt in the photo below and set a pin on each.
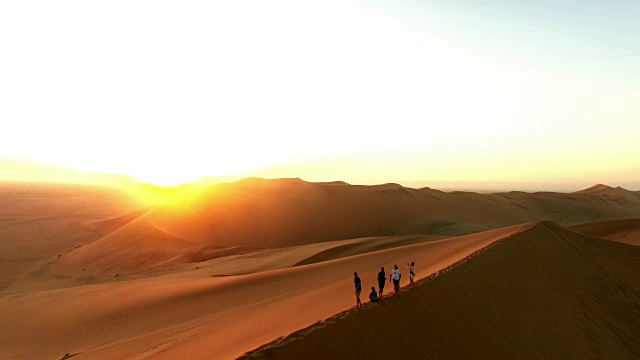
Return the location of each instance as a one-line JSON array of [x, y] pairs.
[[412, 272], [395, 277]]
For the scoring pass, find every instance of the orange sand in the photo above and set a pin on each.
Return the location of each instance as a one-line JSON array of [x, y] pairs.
[[95, 274]]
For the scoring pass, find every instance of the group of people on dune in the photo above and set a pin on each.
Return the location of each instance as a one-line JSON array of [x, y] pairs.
[[395, 276]]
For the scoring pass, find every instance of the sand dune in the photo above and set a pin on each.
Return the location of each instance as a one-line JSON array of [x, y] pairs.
[[143, 248], [259, 213], [543, 293], [107, 226], [286, 212], [235, 266], [619, 194], [198, 316], [40, 222], [127, 251], [140, 247], [626, 230]]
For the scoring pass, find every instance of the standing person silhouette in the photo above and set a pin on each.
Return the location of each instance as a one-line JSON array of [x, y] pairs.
[[358, 285], [412, 272], [382, 278], [395, 277]]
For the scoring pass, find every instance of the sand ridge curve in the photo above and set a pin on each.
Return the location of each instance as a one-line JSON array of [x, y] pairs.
[[543, 293], [193, 313]]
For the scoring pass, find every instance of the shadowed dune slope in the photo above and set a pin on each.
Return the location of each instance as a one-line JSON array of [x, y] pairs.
[[544, 293], [288, 212], [626, 230]]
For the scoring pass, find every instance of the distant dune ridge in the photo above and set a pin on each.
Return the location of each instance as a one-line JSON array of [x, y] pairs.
[[285, 212], [617, 193], [263, 268], [259, 213]]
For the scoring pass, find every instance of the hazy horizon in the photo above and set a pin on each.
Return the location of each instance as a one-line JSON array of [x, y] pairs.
[[34, 173]]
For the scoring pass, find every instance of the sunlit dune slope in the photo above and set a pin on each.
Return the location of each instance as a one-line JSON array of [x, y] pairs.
[[544, 293], [159, 251], [272, 259], [137, 248], [133, 245], [41, 221], [107, 226], [626, 230], [202, 315]]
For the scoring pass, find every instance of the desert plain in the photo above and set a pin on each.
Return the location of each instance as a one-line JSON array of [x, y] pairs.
[[263, 268]]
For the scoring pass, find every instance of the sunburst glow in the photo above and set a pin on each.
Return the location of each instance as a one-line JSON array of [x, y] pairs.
[[168, 93]]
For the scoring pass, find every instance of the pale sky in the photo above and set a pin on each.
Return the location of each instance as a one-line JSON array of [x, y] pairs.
[[367, 91]]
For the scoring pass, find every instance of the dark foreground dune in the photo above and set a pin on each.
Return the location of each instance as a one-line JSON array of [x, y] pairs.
[[545, 293]]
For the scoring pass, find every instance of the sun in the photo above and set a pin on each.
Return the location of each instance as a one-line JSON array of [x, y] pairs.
[[167, 179]]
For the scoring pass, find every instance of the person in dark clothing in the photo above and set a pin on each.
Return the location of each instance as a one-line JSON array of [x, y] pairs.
[[358, 285], [373, 296], [382, 278]]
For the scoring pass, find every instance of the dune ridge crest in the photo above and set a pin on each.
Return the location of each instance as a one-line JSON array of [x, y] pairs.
[[618, 193]]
